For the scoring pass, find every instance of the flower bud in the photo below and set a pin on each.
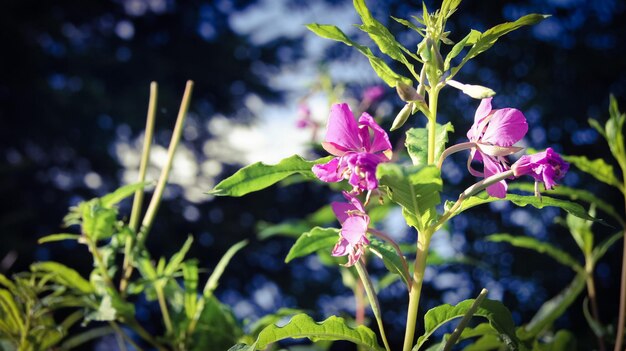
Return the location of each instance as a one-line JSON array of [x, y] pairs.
[[407, 93], [473, 91], [402, 116]]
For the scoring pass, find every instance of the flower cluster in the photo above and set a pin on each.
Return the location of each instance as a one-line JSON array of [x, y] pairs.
[[354, 222]]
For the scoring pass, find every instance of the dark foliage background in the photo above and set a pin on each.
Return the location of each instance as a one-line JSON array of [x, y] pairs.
[[74, 79]]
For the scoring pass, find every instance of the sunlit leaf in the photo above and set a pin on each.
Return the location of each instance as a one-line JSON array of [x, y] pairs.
[[190, 281], [314, 240], [598, 168], [521, 200], [416, 189], [495, 312], [63, 275], [573, 194], [112, 199], [380, 67], [303, 326], [272, 318], [489, 37], [11, 316], [390, 258], [175, 261], [531, 243], [58, 237], [458, 47], [258, 176], [417, 142]]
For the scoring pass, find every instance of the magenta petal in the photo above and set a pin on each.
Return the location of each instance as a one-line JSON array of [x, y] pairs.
[[342, 130], [491, 168], [483, 110], [341, 248], [356, 204], [380, 141], [354, 229], [329, 172], [506, 127], [340, 209]]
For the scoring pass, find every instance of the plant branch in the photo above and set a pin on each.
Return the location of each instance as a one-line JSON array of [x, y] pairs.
[[466, 318], [139, 194], [155, 201], [158, 287], [371, 295]]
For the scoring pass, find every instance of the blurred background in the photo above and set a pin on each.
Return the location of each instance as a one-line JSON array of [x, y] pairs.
[[74, 83]]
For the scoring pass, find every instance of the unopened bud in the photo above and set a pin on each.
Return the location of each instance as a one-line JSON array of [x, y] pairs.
[[474, 91], [402, 116], [407, 93]]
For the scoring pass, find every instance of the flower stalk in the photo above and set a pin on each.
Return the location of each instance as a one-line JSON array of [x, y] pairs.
[[371, 295]]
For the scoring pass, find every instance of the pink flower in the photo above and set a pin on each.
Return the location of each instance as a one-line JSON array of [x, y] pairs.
[[304, 116], [354, 222], [373, 94], [494, 132], [358, 149], [546, 167]]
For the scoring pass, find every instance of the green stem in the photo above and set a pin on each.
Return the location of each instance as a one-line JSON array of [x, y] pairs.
[[371, 295], [163, 304], [466, 318], [619, 341], [591, 292], [423, 242], [139, 194], [155, 201], [432, 123]]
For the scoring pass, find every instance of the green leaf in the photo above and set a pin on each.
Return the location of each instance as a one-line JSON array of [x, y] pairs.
[[11, 322], [408, 24], [581, 232], [417, 142], [175, 261], [390, 258], [615, 133], [314, 240], [258, 176], [292, 229], [112, 199], [217, 328], [58, 237], [554, 308], [303, 326], [270, 319], [383, 38], [602, 248], [97, 221], [379, 66], [522, 201], [111, 308], [598, 168], [416, 189], [190, 281], [457, 48], [563, 340], [544, 248], [495, 312], [211, 284], [489, 37], [63, 275], [573, 194]]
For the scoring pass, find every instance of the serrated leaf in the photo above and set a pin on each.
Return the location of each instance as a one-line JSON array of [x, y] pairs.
[[211, 283], [391, 259], [303, 326], [417, 142], [112, 199], [314, 240], [63, 275], [598, 168], [57, 237], [489, 37], [542, 247], [495, 312], [416, 189], [270, 319], [522, 201], [554, 308], [258, 176]]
